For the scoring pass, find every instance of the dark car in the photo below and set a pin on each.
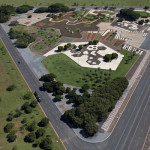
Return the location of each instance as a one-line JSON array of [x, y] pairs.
[[39, 99], [37, 96]]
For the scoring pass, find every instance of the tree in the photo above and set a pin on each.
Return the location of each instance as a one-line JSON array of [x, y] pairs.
[[4, 18], [130, 14], [58, 7], [28, 110], [90, 128], [23, 9], [69, 44], [10, 118], [107, 57], [66, 47], [80, 47], [146, 7], [90, 42], [95, 42], [57, 98], [48, 77], [114, 55], [5, 12], [68, 89], [14, 148], [140, 22], [44, 122], [74, 46], [18, 113], [24, 120], [8, 127], [60, 48], [30, 137], [147, 20], [28, 95], [46, 143], [40, 132], [25, 105], [31, 127], [33, 104], [11, 87], [41, 10], [11, 137], [85, 87]]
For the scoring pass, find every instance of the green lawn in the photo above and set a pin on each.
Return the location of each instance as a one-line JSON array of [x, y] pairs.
[[143, 14], [10, 101], [80, 2], [19, 28], [67, 71], [40, 47]]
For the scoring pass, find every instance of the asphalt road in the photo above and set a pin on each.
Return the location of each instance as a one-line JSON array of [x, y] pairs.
[[131, 129]]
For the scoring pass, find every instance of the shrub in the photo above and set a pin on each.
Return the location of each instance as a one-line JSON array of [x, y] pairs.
[[30, 137], [44, 122], [11, 87], [8, 127]]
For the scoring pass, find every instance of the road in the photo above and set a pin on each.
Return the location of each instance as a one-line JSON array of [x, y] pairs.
[[131, 129]]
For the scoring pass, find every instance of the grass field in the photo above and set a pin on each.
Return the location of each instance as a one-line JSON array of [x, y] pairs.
[[10, 101], [68, 72], [80, 2], [143, 14]]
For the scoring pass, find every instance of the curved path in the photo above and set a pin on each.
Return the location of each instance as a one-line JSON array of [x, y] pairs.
[[131, 129]]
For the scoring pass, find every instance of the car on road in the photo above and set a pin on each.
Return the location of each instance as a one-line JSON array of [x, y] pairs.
[[37, 96]]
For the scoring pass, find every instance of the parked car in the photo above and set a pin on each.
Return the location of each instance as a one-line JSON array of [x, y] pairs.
[[37, 96]]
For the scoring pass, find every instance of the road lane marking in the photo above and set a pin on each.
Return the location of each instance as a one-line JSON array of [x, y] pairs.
[[136, 118]]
